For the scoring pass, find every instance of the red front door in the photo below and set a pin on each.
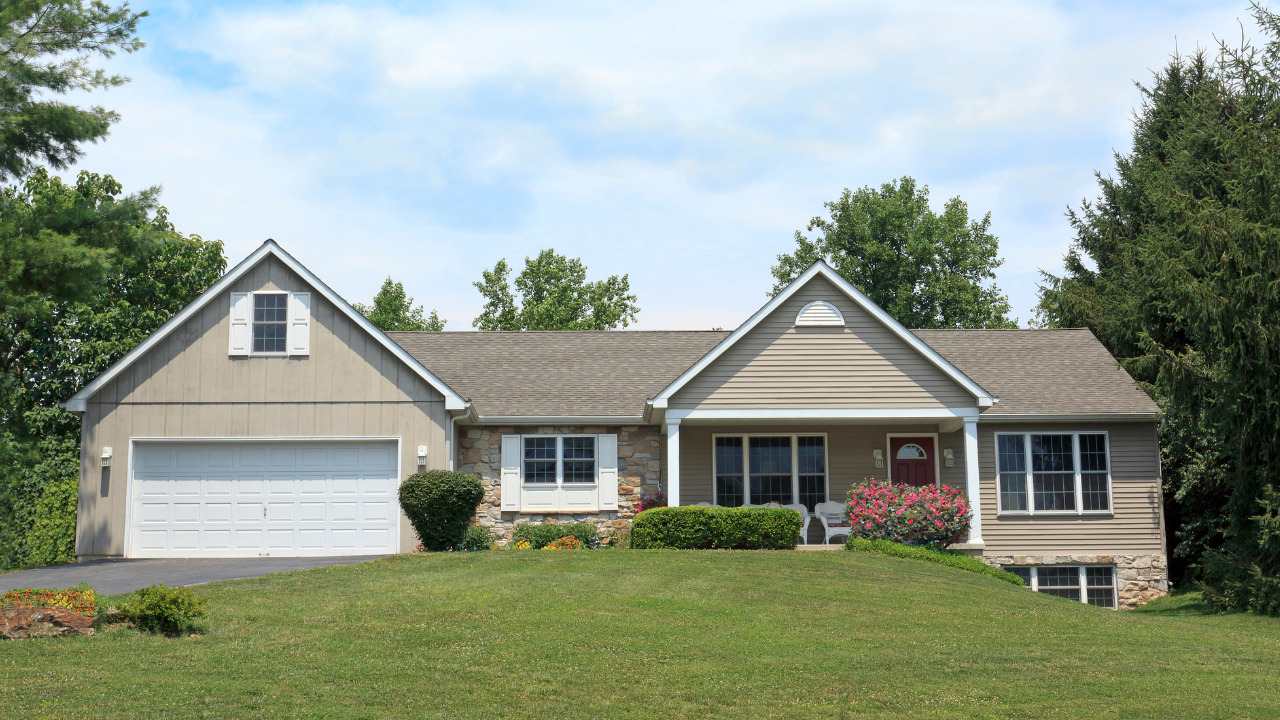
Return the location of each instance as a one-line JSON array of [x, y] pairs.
[[911, 460]]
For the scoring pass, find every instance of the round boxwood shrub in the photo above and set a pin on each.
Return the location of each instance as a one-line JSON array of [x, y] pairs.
[[163, 609], [440, 505]]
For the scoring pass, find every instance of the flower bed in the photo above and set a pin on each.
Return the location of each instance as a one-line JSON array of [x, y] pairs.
[[81, 598], [568, 542], [936, 516]]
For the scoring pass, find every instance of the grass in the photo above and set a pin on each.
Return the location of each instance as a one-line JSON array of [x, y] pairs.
[[655, 634]]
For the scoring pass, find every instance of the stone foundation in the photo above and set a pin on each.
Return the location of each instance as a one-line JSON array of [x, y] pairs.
[[1139, 578], [639, 473]]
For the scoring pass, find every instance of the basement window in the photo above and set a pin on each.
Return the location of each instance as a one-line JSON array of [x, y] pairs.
[[1090, 584]]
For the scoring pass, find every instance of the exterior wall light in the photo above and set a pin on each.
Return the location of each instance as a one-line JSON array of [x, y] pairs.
[[949, 457], [422, 455], [878, 454], [106, 457]]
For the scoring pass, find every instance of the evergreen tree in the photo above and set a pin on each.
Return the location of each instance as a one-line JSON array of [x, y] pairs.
[[1176, 267], [926, 270]]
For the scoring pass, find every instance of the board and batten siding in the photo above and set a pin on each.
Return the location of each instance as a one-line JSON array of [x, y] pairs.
[[188, 386], [861, 365], [849, 458], [1136, 524]]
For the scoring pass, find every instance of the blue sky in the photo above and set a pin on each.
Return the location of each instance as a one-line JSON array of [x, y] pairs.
[[681, 143]]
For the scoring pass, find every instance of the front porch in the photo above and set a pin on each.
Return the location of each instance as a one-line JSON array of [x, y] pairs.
[[754, 461]]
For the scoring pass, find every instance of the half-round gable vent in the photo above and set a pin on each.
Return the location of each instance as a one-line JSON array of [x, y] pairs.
[[819, 314]]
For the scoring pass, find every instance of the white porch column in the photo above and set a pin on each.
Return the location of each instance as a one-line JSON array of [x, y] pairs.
[[971, 478], [673, 462]]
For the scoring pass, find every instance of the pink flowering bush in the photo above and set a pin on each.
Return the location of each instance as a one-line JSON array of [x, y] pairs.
[[879, 510], [648, 502]]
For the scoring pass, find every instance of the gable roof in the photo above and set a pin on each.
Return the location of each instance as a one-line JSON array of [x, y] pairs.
[[601, 375], [1043, 372], [79, 401], [984, 399]]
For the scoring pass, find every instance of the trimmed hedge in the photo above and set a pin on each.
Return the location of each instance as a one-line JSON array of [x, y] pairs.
[[956, 560], [440, 505], [699, 527], [539, 536]]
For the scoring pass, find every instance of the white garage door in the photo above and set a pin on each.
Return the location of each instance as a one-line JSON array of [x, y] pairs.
[[220, 499]]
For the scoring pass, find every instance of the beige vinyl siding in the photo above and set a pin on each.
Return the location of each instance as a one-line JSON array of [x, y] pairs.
[[189, 387], [849, 458], [1134, 527], [862, 365]]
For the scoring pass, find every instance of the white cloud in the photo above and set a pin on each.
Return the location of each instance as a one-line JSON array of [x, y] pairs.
[[682, 143]]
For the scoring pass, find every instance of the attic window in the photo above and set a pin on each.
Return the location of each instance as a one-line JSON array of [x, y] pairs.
[[819, 314]]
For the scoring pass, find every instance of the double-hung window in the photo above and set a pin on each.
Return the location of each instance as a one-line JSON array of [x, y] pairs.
[[759, 469], [559, 459], [1053, 473], [270, 322]]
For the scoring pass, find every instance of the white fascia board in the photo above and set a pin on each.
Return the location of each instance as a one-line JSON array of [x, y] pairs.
[[79, 402], [1067, 417], [983, 398], [559, 420], [825, 414]]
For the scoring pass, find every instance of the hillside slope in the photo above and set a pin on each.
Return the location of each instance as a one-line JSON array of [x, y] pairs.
[[655, 634]]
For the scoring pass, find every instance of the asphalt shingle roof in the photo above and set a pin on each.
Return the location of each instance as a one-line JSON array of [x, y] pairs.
[[1037, 372], [559, 374], [611, 374]]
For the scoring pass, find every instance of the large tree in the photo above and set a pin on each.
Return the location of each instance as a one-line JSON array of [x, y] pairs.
[[47, 356], [554, 295], [927, 270], [1176, 268], [393, 309]]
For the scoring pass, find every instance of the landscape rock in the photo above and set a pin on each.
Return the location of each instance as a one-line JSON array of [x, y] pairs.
[[34, 622]]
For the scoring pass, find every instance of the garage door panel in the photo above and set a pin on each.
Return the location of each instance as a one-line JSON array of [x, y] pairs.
[[217, 512], [249, 499]]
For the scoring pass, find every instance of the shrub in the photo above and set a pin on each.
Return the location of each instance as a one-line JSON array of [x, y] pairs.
[[568, 542], [942, 557], [539, 536], [440, 505], [478, 538], [80, 598], [648, 502], [164, 609], [696, 527], [907, 514]]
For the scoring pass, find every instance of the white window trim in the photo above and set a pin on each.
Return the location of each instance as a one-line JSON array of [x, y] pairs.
[[795, 463], [1079, 487], [937, 466], [288, 308], [560, 481], [1084, 582]]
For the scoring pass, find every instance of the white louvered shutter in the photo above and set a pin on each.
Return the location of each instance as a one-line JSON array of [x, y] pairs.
[[607, 451], [511, 473], [299, 334], [241, 305]]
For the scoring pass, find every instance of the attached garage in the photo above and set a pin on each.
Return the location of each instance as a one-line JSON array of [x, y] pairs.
[[264, 498]]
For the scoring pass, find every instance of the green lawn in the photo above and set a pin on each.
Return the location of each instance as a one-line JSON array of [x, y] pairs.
[[693, 634]]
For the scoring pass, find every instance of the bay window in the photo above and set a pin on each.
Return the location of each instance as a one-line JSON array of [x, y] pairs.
[[759, 469], [1053, 473]]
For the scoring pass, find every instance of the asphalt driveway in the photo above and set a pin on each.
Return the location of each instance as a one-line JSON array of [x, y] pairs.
[[113, 577]]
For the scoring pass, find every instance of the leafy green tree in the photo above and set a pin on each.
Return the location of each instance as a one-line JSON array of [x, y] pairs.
[[46, 356], [45, 49], [926, 270], [1176, 267], [554, 295], [392, 309]]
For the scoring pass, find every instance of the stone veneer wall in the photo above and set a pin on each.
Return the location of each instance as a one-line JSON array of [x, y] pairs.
[[639, 473], [1139, 578]]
